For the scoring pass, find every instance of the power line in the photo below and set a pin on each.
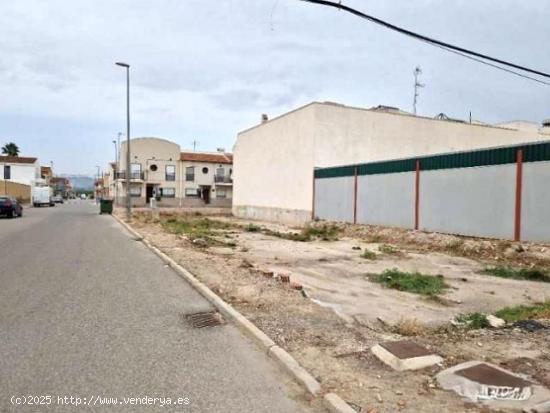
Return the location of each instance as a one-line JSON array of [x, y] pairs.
[[494, 66], [446, 46]]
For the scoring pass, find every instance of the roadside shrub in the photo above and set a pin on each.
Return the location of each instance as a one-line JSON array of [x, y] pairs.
[[409, 327], [252, 228], [387, 249], [529, 274], [473, 321], [368, 255], [415, 282], [525, 312]]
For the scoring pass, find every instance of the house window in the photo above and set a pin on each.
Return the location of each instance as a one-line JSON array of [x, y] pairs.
[[205, 170], [135, 191], [7, 172], [135, 171], [190, 173], [168, 192], [171, 172], [220, 172], [220, 193], [191, 192], [154, 168]]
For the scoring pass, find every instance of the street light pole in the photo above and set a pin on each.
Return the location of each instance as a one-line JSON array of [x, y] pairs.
[[128, 159], [115, 169]]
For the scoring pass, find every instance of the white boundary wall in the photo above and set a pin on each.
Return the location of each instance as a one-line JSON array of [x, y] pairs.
[[507, 196], [477, 201]]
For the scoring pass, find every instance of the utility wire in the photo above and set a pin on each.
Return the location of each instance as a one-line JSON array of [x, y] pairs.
[[494, 65], [446, 46]]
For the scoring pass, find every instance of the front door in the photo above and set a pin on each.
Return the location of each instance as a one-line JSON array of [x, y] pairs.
[[206, 194], [149, 192]]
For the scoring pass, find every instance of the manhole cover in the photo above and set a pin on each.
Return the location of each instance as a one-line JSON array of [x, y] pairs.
[[208, 319], [490, 376], [406, 349]]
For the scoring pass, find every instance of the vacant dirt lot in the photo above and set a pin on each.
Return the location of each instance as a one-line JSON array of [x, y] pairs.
[[331, 312]]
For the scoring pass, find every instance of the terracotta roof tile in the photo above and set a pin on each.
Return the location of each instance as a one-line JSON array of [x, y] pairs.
[[17, 159], [226, 158]]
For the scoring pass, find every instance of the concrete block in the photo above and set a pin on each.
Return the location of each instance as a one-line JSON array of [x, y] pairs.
[[495, 322], [479, 381], [405, 355]]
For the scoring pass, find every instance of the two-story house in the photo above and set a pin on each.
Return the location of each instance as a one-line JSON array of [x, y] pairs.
[[159, 169], [207, 176]]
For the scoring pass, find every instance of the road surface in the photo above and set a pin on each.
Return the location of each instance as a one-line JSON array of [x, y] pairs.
[[89, 313]]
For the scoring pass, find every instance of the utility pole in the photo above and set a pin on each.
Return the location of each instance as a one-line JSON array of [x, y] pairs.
[[417, 85], [195, 145]]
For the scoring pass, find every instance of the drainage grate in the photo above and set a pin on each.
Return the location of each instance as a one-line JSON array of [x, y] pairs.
[[200, 320]]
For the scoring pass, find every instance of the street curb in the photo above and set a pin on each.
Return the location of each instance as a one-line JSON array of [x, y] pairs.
[[294, 369], [284, 359], [335, 404]]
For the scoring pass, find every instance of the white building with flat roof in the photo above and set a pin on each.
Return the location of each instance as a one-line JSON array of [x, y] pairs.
[[274, 161]]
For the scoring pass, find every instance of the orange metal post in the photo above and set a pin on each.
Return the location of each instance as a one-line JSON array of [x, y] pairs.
[[355, 196], [519, 182], [417, 196]]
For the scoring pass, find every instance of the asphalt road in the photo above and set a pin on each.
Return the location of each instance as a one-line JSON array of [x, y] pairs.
[[88, 312]]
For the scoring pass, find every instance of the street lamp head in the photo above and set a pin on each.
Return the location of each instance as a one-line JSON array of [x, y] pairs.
[[122, 64]]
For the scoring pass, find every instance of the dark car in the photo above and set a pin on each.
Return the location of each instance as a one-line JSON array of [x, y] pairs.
[[10, 207]]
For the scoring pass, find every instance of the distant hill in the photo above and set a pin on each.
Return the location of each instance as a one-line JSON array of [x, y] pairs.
[[81, 182]]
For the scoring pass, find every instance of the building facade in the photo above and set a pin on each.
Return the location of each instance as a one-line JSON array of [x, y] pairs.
[[61, 186], [19, 169], [160, 170], [326, 134], [46, 173]]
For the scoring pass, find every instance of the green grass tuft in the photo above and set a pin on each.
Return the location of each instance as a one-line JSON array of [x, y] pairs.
[[387, 249], [252, 228], [473, 321], [368, 255], [411, 282], [325, 232], [530, 274], [525, 312], [196, 228]]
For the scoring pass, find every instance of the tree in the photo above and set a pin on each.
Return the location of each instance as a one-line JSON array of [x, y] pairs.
[[10, 149]]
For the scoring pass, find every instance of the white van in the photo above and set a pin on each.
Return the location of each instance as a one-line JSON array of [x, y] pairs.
[[42, 195]]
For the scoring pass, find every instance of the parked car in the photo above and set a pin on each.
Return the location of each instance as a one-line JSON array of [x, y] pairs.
[[10, 207], [58, 199], [83, 196]]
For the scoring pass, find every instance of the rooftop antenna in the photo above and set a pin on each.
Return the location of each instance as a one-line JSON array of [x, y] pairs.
[[195, 143], [417, 85]]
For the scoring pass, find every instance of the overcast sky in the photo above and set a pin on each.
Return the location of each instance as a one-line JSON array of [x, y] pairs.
[[205, 69]]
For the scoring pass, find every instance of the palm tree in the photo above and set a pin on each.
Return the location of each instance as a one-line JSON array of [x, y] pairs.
[[10, 149]]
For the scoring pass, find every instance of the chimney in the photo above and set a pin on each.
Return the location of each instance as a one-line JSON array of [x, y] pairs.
[[264, 118]]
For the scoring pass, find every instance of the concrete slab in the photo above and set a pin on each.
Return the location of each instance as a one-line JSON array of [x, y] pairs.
[[483, 381], [405, 355], [493, 386]]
